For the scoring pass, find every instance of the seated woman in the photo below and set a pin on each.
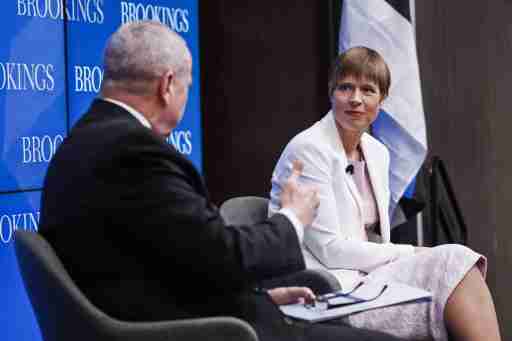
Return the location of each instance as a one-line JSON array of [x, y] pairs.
[[351, 234]]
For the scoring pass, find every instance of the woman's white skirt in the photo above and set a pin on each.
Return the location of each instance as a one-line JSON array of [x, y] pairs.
[[438, 270]]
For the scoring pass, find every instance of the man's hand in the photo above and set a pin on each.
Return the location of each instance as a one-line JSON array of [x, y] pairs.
[[289, 295], [302, 200]]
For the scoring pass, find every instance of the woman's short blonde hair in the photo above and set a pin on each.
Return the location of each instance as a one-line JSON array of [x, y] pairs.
[[361, 62]]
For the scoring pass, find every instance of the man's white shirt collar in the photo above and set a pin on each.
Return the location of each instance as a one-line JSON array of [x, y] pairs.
[[131, 110]]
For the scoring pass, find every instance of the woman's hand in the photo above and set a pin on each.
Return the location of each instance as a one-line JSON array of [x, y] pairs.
[[288, 295]]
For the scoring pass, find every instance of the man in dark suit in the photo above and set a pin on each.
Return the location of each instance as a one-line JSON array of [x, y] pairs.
[[130, 217]]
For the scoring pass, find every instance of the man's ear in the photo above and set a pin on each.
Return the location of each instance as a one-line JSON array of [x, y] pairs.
[[165, 86]]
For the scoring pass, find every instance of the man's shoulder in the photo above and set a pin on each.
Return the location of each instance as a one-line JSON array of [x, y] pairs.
[[102, 116], [108, 127], [109, 142]]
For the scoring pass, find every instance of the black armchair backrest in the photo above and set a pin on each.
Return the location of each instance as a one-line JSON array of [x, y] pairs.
[[247, 210], [250, 210], [64, 313]]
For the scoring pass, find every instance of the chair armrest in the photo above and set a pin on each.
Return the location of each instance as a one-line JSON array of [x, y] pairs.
[[319, 280], [200, 329]]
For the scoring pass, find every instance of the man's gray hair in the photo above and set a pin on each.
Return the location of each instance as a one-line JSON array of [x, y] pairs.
[[142, 51]]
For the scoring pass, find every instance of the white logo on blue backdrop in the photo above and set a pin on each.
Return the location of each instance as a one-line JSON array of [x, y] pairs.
[[47, 81]]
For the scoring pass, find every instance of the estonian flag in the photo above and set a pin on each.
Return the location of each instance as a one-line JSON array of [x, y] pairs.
[[385, 26]]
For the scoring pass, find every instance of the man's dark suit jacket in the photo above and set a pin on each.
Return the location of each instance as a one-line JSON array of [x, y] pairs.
[[131, 221]]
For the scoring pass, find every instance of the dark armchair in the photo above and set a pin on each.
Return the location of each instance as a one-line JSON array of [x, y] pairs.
[[64, 313], [250, 210]]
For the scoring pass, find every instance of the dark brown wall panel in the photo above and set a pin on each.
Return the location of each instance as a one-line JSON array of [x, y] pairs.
[[465, 50], [264, 69]]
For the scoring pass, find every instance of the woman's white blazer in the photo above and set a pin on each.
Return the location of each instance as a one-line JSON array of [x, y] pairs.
[[335, 240]]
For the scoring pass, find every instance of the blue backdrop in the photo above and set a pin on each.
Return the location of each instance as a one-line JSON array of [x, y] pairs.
[[50, 70]]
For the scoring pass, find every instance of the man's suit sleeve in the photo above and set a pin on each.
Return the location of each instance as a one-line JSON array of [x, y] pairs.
[[166, 208]]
